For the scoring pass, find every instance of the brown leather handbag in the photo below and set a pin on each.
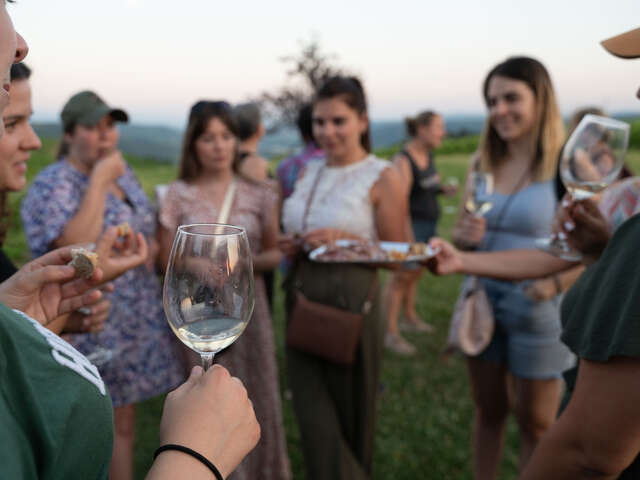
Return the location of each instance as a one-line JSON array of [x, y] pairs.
[[326, 331]]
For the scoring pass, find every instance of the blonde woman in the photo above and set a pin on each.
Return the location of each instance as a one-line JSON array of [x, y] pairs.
[[519, 147]]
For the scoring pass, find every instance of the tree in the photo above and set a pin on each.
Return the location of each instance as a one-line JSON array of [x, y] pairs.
[[306, 72]]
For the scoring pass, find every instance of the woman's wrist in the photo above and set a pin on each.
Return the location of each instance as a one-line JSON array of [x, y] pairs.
[[172, 463]]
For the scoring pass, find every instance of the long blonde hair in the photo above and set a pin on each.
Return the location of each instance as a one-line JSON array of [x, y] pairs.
[[548, 133]]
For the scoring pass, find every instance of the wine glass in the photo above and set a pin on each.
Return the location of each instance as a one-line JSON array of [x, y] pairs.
[[591, 160], [480, 186], [208, 291]]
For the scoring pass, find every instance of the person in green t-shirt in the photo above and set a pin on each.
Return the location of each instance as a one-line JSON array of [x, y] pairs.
[[598, 433], [55, 414]]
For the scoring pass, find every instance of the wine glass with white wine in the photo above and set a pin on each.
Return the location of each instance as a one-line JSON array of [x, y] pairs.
[[480, 185], [208, 291], [591, 161]]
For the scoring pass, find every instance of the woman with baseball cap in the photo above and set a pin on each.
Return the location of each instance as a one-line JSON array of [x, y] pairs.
[[72, 201]]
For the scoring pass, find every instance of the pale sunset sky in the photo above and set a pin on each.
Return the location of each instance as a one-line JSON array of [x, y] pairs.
[[156, 57]]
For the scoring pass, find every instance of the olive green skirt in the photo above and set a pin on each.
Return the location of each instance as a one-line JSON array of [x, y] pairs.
[[335, 404]]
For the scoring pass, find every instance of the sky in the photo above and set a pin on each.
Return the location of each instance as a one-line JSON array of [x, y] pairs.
[[156, 57]]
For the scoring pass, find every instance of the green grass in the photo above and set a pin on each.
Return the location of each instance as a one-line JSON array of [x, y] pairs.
[[425, 408]]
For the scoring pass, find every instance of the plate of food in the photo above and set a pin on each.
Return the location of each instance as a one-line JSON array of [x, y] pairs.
[[354, 251]]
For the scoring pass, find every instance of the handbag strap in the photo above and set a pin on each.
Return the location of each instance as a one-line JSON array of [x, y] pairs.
[[312, 194], [223, 216], [507, 204]]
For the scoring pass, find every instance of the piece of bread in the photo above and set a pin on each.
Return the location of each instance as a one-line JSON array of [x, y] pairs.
[[84, 261], [123, 229]]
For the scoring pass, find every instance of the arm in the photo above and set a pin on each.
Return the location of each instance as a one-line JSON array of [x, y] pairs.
[[86, 225], [389, 198], [548, 287], [507, 265], [598, 435], [211, 414]]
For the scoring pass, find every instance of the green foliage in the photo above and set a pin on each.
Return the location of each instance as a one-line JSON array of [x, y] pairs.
[[452, 145], [425, 407], [634, 138]]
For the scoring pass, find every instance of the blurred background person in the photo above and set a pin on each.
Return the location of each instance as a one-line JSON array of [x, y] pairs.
[[423, 184], [351, 194], [73, 201], [519, 147], [290, 168], [208, 179], [251, 164]]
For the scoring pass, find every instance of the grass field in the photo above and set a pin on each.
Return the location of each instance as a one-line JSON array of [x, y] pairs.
[[424, 407]]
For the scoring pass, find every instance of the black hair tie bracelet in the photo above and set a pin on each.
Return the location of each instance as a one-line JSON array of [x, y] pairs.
[[193, 453]]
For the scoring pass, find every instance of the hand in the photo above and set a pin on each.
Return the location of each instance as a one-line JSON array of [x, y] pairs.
[[449, 189], [290, 244], [586, 229], [211, 414], [470, 229], [541, 289], [447, 260], [109, 168], [80, 322], [116, 256], [324, 236], [46, 288]]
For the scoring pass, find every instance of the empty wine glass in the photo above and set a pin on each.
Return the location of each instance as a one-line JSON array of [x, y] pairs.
[[208, 291], [480, 185], [591, 160]]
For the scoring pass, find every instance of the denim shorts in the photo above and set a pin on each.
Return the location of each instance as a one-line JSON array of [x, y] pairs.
[[527, 333]]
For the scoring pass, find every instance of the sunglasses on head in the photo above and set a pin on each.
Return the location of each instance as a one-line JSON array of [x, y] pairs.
[[204, 105]]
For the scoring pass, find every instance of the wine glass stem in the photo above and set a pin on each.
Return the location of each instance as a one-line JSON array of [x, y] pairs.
[[207, 360]]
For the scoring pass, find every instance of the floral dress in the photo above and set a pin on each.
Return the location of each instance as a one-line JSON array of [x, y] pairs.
[[146, 360], [252, 358]]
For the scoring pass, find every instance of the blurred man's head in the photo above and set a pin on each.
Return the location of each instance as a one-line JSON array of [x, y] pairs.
[[13, 49]]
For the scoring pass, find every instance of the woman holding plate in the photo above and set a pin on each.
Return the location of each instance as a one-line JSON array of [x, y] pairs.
[[351, 194]]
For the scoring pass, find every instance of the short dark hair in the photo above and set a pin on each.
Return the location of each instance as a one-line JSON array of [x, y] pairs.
[[305, 123], [20, 71]]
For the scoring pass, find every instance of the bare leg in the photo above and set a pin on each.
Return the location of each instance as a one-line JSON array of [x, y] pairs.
[[393, 297], [536, 408], [489, 386], [410, 296], [122, 460]]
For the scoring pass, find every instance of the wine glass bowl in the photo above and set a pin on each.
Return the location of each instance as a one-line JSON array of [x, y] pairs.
[[208, 293], [480, 186], [591, 161]]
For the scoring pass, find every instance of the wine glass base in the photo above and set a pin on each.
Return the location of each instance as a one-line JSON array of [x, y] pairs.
[[558, 249], [100, 356]]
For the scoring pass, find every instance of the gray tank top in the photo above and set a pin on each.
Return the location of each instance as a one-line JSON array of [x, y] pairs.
[[528, 216]]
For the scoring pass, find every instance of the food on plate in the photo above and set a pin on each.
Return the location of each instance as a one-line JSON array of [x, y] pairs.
[[84, 261], [419, 249], [352, 252]]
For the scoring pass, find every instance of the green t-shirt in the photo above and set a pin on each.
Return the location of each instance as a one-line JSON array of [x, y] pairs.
[[56, 417], [601, 313]]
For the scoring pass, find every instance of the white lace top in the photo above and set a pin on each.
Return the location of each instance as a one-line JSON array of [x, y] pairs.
[[341, 199]]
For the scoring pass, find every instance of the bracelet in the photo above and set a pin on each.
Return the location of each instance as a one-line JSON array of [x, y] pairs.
[[556, 282], [193, 453]]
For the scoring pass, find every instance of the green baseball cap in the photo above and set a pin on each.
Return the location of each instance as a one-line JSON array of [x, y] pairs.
[[87, 108]]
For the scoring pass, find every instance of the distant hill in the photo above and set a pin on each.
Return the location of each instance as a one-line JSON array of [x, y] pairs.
[[156, 142], [164, 143]]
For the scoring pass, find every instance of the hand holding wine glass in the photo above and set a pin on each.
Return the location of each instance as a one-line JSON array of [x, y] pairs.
[[208, 288], [591, 160]]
